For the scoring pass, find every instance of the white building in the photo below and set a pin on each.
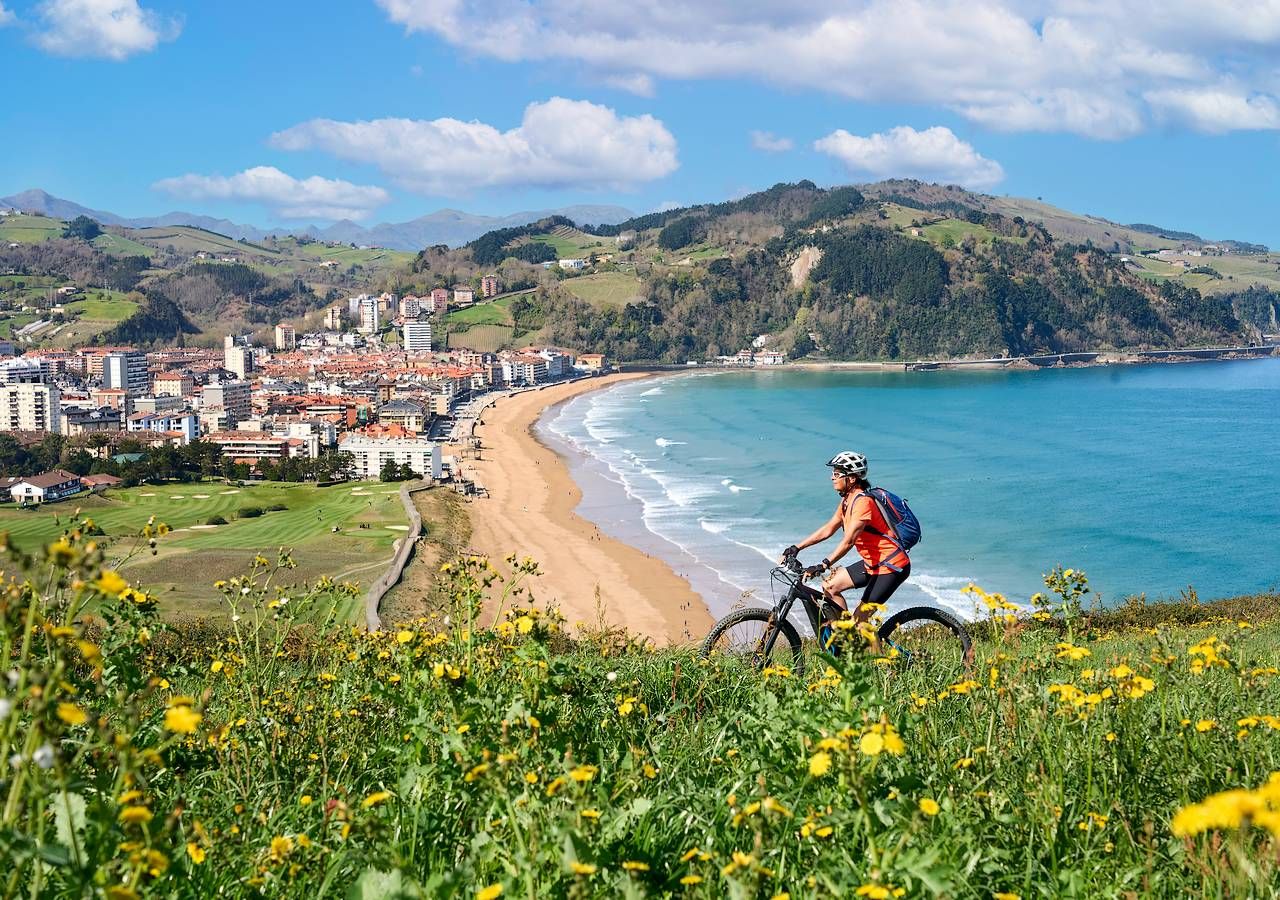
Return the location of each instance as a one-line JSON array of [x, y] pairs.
[[30, 407], [572, 265], [231, 396], [126, 371], [417, 337], [410, 307], [23, 369], [370, 318], [238, 360], [369, 455], [286, 337]]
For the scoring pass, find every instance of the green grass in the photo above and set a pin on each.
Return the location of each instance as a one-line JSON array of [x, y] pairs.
[[443, 758], [29, 229], [487, 338], [570, 243], [955, 231], [496, 312], [103, 306], [605, 289], [191, 559], [121, 245]]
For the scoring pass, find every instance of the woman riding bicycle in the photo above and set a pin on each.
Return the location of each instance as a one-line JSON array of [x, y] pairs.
[[884, 565]]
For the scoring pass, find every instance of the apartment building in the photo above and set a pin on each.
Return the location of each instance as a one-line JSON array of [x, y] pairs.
[[126, 370], [232, 396], [417, 337], [369, 455], [286, 337], [29, 407]]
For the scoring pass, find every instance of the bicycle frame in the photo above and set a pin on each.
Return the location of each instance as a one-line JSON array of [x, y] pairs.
[[810, 598]]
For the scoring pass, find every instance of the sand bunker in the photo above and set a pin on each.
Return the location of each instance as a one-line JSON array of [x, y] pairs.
[[398, 527], [224, 493], [199, 496], [146, 495], [177, 497], [201, 527]]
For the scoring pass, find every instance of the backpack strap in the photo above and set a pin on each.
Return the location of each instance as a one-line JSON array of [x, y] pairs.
[[892, 537]]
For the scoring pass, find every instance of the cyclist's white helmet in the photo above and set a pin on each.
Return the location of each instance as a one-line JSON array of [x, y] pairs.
[[846, 462]]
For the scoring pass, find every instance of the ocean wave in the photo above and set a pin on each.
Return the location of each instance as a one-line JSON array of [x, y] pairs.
[[739, 488], [726, 481], [713, 527], [653, 392], [664, 442]]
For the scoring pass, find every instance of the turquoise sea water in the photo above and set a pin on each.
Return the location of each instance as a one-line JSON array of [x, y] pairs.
[[1150, 478]]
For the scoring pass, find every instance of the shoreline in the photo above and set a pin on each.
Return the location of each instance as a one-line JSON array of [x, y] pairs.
[[530, 510], [1072, 360]]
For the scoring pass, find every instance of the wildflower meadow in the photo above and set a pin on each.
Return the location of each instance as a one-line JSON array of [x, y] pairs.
[[489, 751]]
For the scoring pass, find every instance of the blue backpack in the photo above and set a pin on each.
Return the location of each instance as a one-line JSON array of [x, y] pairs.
[[902, 521]]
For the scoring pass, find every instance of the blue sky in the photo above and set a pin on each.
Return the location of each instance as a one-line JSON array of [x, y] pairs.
[[285, 112]]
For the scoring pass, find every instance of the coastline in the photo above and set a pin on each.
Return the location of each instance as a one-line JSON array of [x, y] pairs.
[[530, 510]]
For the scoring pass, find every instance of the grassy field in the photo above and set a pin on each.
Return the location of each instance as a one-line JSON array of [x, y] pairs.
[[103, 306], [496, 312], [194, 556], [487, 338], [29, 229], [121, 245], [955, 231], [570, 243], [1079, 757], [605, 289]]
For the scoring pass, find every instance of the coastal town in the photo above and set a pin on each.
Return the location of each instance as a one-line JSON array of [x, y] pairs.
[[370, 407]]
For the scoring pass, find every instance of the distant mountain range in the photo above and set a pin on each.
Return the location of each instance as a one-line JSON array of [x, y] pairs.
[[444, 226]]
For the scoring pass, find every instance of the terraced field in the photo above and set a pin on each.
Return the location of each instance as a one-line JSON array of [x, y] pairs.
[[605, 289], [29, 229], [194, 554]]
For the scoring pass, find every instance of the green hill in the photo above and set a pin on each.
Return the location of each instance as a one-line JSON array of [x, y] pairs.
[[895, 270], [282, 753]]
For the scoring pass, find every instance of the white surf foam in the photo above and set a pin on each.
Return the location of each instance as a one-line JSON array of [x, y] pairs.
[[652, 392], [739, 488], [664, 442]]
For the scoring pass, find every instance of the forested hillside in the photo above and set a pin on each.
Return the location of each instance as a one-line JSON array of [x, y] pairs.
[[915, 271]]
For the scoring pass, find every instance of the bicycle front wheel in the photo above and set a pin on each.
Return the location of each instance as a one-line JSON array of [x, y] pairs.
[[931, 642], [746, 634]]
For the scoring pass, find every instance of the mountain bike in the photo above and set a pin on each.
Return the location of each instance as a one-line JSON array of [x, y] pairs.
[[923, 636]]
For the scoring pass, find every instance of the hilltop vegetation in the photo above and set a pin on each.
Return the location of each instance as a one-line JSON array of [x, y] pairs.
[[1083, 756], [902, 271], [217, 284]]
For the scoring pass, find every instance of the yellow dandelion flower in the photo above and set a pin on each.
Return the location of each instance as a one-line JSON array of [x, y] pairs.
[[404, 637], [135, 815], [375, 798], [929, 806], [634, 865], [1206, 725], [72, 714], [583, 773], [819, 764], [181, 719], [216, 666], [871, 744], [492, 892], [304, 800], [581, 868], [195, 852], [1005, 895], [110, 582], [691, 879]]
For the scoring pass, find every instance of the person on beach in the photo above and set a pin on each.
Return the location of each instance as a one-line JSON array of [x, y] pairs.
[[883, 565]]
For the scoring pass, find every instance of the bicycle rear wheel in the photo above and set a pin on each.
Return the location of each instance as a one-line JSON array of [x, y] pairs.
[[744, 634], [931, 642]]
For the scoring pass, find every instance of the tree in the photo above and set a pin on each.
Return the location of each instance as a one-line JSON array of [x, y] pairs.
[[83, 228], [390, 471]]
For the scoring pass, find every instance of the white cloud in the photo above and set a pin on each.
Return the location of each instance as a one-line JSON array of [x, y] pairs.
[[6, 17], [558, 143], [770, 142], [1216, 110], [1083, 66], [107, 29], [934, 154], [636, 83], [289, 197]]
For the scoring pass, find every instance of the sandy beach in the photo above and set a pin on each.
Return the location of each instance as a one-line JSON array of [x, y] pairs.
[[530, 511]]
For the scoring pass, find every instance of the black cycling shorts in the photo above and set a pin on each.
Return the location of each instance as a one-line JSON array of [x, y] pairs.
[[877, 588]]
